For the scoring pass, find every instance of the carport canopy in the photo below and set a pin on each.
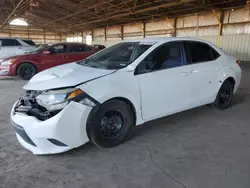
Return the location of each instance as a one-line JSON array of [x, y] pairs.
[[67, 16]]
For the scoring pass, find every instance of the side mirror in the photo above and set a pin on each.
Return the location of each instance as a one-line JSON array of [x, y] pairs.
[[46, 52]]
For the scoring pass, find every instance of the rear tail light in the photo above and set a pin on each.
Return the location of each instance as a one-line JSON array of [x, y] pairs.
[[238, 61]]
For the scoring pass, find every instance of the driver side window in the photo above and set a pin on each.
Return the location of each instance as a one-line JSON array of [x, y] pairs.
[[166, 56], [61, 48]]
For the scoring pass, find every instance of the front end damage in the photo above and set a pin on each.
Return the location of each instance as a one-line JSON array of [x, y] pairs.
[[47, 132]]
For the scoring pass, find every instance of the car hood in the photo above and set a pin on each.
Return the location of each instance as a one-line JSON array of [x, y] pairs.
[[62, 76], [15, 57]]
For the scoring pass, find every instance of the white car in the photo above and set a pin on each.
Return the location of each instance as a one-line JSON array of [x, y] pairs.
[[14, 46], [101, 99]]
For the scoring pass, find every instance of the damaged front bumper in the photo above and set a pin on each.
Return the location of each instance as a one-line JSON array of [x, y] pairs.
[[62, 132]]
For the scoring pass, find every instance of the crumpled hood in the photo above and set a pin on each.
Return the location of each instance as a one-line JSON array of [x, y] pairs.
[[64, 76]]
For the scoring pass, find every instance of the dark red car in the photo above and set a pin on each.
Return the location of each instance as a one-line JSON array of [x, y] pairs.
[[46, 56]]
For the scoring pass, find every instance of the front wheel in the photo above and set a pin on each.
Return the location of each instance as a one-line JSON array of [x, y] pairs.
[[26, 71], [111, 124], [224, 96]]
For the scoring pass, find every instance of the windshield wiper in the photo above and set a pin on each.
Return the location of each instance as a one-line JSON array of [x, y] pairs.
[[91, 64], [115, 66], [82, 62]]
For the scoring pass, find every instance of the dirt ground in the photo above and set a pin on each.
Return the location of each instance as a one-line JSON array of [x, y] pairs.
[[199, 148]]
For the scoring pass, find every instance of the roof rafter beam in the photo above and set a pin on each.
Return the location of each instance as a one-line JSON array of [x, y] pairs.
[[12, 13], [142, 10], [79, 12], [111, 5]]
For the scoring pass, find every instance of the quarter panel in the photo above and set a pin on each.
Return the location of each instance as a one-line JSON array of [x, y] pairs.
[[205, 84], [227, 72], [230, 69]]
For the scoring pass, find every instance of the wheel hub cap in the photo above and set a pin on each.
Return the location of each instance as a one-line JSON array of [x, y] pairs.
[[225, 96], [111, 125]]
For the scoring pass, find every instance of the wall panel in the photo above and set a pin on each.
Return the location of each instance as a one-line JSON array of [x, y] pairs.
[[235, 37], [37, 35], [236, 45]]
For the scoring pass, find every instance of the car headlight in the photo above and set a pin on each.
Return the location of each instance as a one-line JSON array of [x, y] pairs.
[[8, 62], [57, 99]]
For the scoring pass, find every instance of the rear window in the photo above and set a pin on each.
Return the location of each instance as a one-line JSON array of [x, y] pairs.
[[100, 47], [198, 52], [29, 42], [215, 53], [77, 48], [10, 42]]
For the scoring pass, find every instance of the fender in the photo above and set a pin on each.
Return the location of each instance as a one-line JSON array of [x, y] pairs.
[[109, 87], [226, 73]]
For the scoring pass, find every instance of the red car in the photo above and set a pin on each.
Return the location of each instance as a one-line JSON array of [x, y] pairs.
[[44, 57]]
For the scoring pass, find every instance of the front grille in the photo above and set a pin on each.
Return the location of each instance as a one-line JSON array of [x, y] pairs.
[[21, 132]]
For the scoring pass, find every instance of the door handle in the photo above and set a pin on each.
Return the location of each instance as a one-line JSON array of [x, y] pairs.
[[184, 73], [194, 71], [65, 57]]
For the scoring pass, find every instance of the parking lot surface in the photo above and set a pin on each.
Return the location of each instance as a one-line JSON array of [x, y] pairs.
[[199, 148]]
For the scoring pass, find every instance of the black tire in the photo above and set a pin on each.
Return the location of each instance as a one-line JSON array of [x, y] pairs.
[[111, 124], [225, 96], [26, 71]]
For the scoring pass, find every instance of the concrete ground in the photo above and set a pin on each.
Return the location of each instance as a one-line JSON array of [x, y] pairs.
[[199, 148]]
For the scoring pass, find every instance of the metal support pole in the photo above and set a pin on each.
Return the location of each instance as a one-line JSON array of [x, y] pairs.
[[9, 31], [221, 21], [197, 25], [175, 22], [82, 36], [92, 34], [173, 25], [28, 32], [122, 32], [105, 34], [44, 37], [220, 27], [144, 29]]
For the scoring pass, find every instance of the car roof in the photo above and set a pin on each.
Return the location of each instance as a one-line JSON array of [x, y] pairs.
[[165, 39], [69, 43], [13, 38], [155, 40]]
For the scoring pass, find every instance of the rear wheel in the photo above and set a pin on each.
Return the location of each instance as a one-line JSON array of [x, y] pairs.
[[111, 125], [224, 96], [26, 71]]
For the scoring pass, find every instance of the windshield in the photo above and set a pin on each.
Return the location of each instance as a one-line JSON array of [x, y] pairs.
[[29, 42], [117, 56], [39, 48]]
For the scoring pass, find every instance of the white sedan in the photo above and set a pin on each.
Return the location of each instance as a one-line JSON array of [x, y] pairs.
[[101, 99]]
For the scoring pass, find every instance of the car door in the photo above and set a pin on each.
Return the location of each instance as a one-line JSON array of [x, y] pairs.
[[27, 45], [164, 81], [205, 67], [9, 47], [58, 55], [20, 49], [2, 51], [79, 51]]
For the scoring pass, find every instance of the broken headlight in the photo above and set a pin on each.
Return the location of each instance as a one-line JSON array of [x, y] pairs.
[[57, 99]]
